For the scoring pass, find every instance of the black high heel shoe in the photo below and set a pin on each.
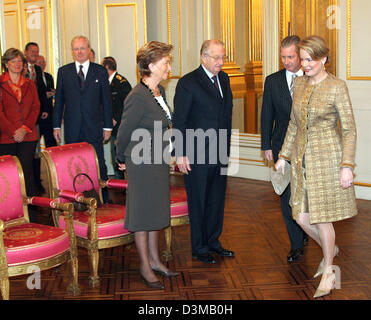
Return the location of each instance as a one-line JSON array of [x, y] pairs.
[[167, 274], [152, 284]]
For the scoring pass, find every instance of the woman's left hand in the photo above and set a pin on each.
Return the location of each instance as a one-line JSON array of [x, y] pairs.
[[346, 177]]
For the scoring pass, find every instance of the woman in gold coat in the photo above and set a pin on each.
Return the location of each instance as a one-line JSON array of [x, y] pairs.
[[322, 155]]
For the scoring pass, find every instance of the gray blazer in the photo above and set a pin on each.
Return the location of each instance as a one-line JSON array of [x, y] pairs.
[[141, 111]]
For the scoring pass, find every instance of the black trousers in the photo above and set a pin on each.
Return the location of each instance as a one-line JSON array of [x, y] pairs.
[[295, 232], [206, 194], [25, 152], [46, 130]]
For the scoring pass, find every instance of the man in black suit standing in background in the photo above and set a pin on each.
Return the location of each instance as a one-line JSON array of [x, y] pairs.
[[83, 101], [120, 88], [34, 73], [275, 117], [46, 125], [203, 101]]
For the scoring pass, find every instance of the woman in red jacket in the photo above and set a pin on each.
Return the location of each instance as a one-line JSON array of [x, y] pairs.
[[19, 110]]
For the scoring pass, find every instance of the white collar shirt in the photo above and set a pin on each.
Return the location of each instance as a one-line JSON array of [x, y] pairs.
[[85, 67]]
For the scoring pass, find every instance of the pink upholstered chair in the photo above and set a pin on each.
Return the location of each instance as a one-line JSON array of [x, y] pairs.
[[96, 228], [24, 244]]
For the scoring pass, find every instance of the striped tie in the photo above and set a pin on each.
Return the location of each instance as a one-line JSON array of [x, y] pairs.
[[292, 84]]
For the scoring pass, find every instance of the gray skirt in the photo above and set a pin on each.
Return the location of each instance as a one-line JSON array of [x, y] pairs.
[[147, 196]]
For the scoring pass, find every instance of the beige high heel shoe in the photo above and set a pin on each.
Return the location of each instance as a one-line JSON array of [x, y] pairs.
[[321, 264], [329, 281]]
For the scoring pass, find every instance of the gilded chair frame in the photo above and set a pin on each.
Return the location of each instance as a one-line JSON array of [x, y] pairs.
[[68, 256], [175, 221], [92, 243]]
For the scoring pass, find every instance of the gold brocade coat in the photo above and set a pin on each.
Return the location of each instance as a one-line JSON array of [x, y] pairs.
[[323, 132]]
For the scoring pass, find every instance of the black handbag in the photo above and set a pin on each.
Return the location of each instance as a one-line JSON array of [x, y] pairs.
[[91, 193]]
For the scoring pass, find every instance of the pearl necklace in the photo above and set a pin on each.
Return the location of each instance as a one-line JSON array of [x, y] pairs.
[[169, 120]]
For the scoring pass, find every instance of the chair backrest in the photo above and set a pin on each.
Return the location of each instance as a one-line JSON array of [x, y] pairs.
[[12, 191], [65, 162]]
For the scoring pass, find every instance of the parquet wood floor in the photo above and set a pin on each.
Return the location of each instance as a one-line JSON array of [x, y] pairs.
[[254, 229]]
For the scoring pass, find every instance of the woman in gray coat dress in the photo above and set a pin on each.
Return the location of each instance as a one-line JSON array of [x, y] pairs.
[[145, 154]]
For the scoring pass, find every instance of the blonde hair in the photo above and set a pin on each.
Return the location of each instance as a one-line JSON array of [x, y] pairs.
[[316, 47], [80, 37]]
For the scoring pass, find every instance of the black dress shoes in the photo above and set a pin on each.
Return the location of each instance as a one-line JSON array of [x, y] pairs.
[[152, 284], [294, 255], [223, 252], [167, 274], [205, 257]]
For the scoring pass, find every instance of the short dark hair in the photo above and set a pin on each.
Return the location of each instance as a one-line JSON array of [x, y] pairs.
[[110, 63], [289, 41], [29, 45], [151, 52]]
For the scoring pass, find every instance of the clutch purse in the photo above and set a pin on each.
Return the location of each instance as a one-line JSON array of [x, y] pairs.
[[280, 181]]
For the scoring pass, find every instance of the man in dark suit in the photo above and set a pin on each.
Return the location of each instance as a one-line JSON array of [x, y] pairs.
[[120, 88], [203, 101], [46, 125], [83, 101], [34, 73], [275, 117]]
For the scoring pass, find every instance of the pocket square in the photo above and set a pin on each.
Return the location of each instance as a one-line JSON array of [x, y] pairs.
[[280, 181]]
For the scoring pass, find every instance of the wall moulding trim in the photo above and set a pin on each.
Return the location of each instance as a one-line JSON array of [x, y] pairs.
[[112, 5], [169, 24], [349, 46]]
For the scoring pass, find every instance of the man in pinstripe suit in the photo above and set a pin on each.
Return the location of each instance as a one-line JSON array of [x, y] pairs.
[[275, 117]]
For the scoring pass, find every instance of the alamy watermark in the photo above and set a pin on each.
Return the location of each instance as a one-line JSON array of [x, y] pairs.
[[333, 17], [34, 280], [201, 147]]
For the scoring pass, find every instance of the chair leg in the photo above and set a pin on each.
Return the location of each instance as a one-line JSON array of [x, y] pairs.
[[4, 286], [73, 288], [94, 280], [167, 254]]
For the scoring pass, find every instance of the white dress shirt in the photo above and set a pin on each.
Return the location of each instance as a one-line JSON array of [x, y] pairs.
[[111, 77], [85, 67], [289, 74]]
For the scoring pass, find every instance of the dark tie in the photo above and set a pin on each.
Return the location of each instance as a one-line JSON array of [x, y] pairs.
[[81, 77], [216, 85]]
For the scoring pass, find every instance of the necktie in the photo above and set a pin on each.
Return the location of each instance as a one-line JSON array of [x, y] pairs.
[[292, 84], [81, 77], [216, 85], [32, 73]]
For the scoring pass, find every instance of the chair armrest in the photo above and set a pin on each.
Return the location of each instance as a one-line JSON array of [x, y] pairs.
[[75, 196], [49, 203], [115, 184]]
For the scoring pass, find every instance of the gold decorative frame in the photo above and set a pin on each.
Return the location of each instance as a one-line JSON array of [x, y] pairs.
[[349, 46], [128, 4], [169, 20]]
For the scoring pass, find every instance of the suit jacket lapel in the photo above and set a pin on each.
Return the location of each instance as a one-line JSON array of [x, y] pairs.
[[284, 86], [73, 74], [207, 83], [90, 77]]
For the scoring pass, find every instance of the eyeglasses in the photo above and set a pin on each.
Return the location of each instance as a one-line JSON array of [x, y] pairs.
[[217, 58]]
